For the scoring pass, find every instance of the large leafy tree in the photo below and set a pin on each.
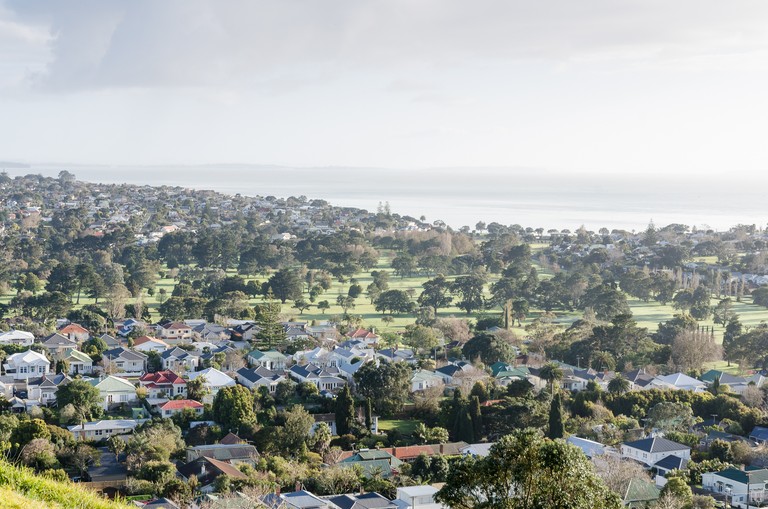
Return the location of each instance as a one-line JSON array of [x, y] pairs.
[[84, 397], [388, 385], [436, 293], [286, 284], [470, 291], [394, 301], [489, 348], [233, 408], [526, 471]]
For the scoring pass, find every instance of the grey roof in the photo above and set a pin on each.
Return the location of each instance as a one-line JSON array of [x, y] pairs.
[[657, 444], [671, 462], [123, 353], [365, 501], [58, 340]]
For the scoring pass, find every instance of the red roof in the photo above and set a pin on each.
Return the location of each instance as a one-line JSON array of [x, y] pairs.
[[181, 404], [145, 339], [162, 377], [73, 328], [409, 452], [363, 333]]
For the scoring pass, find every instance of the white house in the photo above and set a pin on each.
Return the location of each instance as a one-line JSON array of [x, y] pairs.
[[424, 379], [734, 485], [271, 359], [79, 363], [652, 450], [44, 389], [679, 381], [215, 380], [175, 332], [25, 365], [126, 361], [421, 497], [147, 344], [175, 406], [178, 359], [115, 390], [99, 430], [17, 337]]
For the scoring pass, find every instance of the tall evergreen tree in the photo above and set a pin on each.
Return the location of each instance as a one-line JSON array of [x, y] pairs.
[[368, 414], [345, 412], [556, 425], [476, 416], [268, 320]]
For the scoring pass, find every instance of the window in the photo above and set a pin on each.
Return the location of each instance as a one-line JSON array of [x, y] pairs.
[[99, 432], [22, 369], [120, 364]]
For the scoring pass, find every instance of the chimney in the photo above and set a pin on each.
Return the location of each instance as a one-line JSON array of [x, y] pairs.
[[297, 487], [202, 468], [277, 490], [442, 448], [394, 451]]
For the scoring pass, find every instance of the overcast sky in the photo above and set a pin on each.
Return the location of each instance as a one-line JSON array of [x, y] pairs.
[[584, 85]]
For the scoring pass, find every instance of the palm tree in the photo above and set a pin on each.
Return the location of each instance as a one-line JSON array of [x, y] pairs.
[[551, 373], [618, 385]]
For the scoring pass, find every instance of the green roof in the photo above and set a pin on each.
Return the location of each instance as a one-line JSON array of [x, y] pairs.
[[373, 455], [711, 375], [80, 356], [639, 492], [750, 476], [423, 374], [520, 373], [272, 354]]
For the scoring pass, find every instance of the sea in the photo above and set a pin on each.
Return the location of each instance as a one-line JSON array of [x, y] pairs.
[[459, 197]]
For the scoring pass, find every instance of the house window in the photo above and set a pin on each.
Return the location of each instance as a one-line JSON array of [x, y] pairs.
[[123, 398], [645, 455], [23, 369], [41, 369], [120, 364], [98, 432]]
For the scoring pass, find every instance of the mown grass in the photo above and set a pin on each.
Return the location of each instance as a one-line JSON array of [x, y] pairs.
[[406, 427], [20, 487]]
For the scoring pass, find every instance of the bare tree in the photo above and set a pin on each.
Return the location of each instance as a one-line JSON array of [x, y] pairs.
[[617, 472], [691, 349], [753, 397]]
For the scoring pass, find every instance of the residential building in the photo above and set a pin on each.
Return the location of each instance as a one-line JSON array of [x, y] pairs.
[[174, 406], [124, 361], [25, 365], [679, 381], [58, 346], [114, 391], [79, 363], [17, 337], [100, 430], [215, 380], [650, 451], [174, 332], [259, 377], [75, 332], [362, 501], [207, 470], [735, 484], [417, 497], [423, 379], [44, 389], [147, 344], [177, 359], [232, 453], [324, 379], [163, 384], [271, 359]]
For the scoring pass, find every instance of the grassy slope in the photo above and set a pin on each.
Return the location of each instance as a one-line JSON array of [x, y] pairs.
[[20, 488]]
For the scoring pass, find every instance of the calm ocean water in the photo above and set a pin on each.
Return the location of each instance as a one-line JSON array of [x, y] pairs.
[[460, 197]]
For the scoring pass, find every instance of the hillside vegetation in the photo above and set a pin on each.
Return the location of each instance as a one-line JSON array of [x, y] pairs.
[[21, 488]]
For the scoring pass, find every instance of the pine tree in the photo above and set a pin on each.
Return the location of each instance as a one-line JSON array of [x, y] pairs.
[[345, 412], [464, 428], [268, 320], [556, 425], [476, 416]]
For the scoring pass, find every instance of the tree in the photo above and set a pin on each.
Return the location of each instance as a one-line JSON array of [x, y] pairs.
[[84, 398], [436, 293], [301, 305], [388, 385], [618, 384], [556, 424], [394, 301], [551, 373], [286, 284], [477, 418], [523, 470], [268, 320], [691, 349], [520, 310], [196, 388], [293, 429], [470, 291], [671, 416], [116, 445], [489, 348], [677, 489], [233, 408], [420, 337], [345, 412], [323, 306]]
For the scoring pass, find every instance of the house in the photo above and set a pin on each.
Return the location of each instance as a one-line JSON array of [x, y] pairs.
[[300, 500], [650, 451], [364, 335], [759, 434], [679, 381], [215, 380], [450, 371], [640, 494], [126, 361], [373, 460], [175, 406], [163, 384], [175, 332], [507, 376], [25, 365], [231, 453], [737, 384], [178, 359], [44, 389], [207, 470], [160, 503], [259, 377], [79, 363], [639, 379], [589, 447], [210, 332], [480, 450], [423, 379], [109, 341], [148, 344], [58, 346], [75, 332], [670, 463], [317, 356], [735, 484], [325, 379], [397, 354], [271, 359], [17, 337], [346, 357], [362, 501], [417, 497], [115, 390], [100, 430]]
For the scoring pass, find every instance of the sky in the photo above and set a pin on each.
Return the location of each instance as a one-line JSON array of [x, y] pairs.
[[600, 86]]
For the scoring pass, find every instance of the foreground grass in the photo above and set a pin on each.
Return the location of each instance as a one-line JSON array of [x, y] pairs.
[[406, 427], [21, 488]]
